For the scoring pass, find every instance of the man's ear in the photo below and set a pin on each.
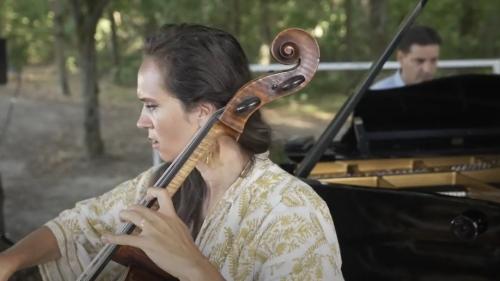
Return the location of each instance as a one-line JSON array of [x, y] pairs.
[[203, 112], [400, 55]]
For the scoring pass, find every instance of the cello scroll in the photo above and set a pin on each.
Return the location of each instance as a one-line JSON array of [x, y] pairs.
[[291, 46]]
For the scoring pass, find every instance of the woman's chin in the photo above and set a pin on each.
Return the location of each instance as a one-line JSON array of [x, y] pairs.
[[165, 157]]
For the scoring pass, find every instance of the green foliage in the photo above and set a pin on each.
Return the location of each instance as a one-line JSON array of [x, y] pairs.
[[27, 27], [467, 27]]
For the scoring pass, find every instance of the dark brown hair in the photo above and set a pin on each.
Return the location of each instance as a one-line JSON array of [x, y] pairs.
[[420, 35], [203, 64]]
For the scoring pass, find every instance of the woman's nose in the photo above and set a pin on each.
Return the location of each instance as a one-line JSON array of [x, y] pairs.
[[144, 121]]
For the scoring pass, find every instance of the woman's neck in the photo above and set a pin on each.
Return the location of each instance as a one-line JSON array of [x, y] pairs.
[[223, 170]]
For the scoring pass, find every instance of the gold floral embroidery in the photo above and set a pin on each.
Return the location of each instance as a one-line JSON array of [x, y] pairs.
[[268, 226], [80, 229], [279, 228]]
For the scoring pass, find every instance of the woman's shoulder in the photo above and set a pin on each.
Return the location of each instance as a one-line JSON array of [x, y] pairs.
[[293, 207], [287, 190]]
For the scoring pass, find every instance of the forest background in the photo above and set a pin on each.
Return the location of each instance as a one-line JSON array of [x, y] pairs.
[[103, 38], [67, 114]]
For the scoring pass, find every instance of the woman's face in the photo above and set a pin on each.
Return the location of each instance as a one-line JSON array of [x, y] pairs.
[[169, 125]]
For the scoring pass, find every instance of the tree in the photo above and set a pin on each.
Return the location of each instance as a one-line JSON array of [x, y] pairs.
[[115, 49], [348, 29], [59, 45], [86, 14], [26, 27], [234, 17], [265, 22], [378, 20]]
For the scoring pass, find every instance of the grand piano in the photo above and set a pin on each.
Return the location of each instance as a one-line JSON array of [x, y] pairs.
[[413, 181]]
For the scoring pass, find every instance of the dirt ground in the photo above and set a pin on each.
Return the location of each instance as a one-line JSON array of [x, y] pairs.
[[42, 161]]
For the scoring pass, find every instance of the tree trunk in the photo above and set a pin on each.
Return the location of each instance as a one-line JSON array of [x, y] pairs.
[[233, 17], [59, 46], [86, 15], [378, 20], [468, 26], [90, 91], [469, 18], [265, 22], [348, 28], [237, 18], [115, 49], [205, 10]]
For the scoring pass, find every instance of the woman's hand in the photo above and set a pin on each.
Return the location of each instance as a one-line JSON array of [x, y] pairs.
[[166, 240]]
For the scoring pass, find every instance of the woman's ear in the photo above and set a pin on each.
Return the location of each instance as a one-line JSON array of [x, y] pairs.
[[204, 110]]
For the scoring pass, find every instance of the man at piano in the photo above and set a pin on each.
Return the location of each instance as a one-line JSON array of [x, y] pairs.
[[417, 54]]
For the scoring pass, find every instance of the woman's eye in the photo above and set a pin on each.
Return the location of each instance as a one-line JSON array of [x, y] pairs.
[[151, 107]]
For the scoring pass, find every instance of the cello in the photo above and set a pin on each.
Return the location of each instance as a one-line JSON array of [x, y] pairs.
[[292, 46]]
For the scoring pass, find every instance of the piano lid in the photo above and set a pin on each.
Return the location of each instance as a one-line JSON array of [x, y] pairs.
[[318, 149], [451, 115]]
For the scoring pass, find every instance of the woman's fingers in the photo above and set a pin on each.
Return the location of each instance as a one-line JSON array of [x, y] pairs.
[[166, 204], [139, 215], [145, 218], [126, 240]]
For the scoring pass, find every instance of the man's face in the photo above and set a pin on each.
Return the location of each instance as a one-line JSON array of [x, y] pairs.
[[419, 63]]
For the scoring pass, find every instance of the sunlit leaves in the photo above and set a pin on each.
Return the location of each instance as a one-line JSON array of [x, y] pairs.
[[344, 33]]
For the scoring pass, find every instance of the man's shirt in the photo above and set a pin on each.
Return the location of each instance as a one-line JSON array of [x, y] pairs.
[[393, 81]]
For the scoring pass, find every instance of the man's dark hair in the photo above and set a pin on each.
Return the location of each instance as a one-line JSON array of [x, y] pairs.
[[420, 35]]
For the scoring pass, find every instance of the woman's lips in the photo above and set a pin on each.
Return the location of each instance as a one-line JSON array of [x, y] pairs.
[[154, 143]]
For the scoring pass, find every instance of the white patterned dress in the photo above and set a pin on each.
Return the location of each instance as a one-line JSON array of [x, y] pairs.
[[268, 226]]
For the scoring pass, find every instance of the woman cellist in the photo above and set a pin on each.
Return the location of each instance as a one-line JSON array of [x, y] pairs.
[[237, 217]]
